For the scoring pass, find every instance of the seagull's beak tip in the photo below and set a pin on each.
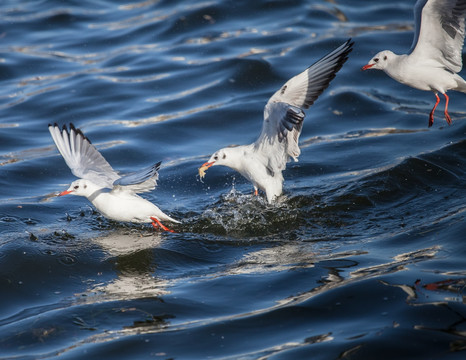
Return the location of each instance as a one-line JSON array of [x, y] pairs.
[[365, 67], [66, 192]]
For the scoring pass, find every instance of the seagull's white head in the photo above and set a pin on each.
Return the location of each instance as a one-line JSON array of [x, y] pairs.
[[81, 187], [380, 60], [223, 157], [229, 156]]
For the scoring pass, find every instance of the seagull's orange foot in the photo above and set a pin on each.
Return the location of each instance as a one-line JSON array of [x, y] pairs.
[[256, 192], [447, 118], [157, 224], [431, 118]]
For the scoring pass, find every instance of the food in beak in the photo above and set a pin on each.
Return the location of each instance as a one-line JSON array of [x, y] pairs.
[[204, 167]]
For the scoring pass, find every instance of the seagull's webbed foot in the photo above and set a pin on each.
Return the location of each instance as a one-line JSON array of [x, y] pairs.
[[157, 224]]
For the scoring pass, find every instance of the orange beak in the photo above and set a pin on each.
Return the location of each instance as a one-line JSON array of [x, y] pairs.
[[368, 66], [208, 164], [65, 192]]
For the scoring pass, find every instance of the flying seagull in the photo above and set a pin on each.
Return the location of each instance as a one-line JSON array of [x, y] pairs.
[[434, 59]]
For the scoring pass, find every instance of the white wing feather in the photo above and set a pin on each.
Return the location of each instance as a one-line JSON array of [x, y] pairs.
[[82, 157], [440, 31]]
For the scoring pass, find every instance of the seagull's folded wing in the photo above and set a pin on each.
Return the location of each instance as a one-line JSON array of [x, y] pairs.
[[82, 157], [439, 32], [283, 114], [140, 181]]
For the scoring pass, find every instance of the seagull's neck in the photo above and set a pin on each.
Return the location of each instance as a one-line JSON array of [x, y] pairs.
[[238, 157], [93, 196], [93, 191], [395, 68]]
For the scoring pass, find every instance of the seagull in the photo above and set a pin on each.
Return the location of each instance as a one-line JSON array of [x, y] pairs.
[[434, 59], [263, 161], [114, 196]]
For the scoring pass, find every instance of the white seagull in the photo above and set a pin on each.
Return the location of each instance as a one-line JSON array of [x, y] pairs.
[[263, 161], [434, 59], [114, 196]]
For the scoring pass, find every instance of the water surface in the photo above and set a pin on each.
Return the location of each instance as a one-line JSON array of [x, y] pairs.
[[363, 256]]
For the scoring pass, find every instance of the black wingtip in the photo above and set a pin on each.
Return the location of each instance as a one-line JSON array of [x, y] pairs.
[[349, 47], [338, 57], [64, 128], [79, 132]]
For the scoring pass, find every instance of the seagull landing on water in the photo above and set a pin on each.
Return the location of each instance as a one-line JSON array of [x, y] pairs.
[[114, 196], [263, 161], [434, 59]]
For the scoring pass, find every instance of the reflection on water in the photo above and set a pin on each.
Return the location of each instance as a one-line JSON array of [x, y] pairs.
[[131, 253]]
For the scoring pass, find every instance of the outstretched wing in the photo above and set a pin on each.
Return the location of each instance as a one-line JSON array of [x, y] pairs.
[[284, 115], [439, 32], [139, 181], [82, 157]]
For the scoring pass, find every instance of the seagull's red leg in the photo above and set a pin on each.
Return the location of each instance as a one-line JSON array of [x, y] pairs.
[[447, 116], [256, 192], [431, 117], [157, 222]]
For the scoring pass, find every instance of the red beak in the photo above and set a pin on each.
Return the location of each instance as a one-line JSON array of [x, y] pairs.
[[208, 164], [368, 66], [65, 192]]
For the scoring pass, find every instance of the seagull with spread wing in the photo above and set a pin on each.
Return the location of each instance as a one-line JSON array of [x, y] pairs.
[[114, 196], [434, 59], [263, 161]]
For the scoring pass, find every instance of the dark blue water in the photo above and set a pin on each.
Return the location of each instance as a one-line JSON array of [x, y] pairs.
[[364, 258]]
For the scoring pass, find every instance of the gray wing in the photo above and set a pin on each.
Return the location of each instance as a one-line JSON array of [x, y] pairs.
[[417, 23], [82, 157], [439, 32], [140, 181], [303, 89], [283, 114]]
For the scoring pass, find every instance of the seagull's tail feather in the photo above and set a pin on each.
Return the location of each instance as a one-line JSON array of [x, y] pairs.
[[461, 84], [165, 217]]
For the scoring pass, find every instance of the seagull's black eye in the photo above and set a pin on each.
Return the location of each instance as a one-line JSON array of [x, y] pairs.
[[76, 187], [216, 157], [385, 57], [224, 156], [376, 60]]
